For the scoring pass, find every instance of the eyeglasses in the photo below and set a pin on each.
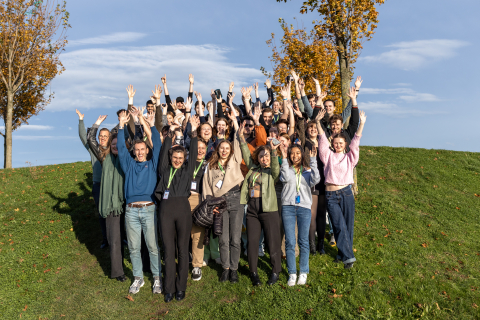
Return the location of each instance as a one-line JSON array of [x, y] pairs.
[[249, 125], [102, 136]]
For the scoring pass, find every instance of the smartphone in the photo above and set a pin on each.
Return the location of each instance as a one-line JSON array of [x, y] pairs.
[[275, 142], [218, 93], [289, 78]]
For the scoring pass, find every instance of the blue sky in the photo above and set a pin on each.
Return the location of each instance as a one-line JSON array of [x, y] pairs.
[[420, 69]]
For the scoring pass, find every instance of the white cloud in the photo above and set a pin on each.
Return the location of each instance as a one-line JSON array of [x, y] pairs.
[[386, 91], [411, 55], [119, 37], [97, 78], [393, 109], [42, 138], [30, 127], [417, 97]]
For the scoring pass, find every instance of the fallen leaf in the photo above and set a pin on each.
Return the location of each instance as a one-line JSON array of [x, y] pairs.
[[457, 208], [128, 297], [474, 306], [424, 245], [361, 309], [16, 209], [25, 309], [437, 305]]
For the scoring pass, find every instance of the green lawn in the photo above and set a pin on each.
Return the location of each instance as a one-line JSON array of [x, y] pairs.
[[416, 240]]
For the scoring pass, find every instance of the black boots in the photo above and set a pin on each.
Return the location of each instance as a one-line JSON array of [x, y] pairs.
[[273, 278], [224, 276]]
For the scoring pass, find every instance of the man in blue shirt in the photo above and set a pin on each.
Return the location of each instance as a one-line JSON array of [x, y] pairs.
[[140, 213]]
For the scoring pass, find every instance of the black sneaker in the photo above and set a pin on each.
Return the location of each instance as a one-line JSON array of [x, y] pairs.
[[313, 249], [273, 278], [121, 278], [255, 279], [224, 276], [348, 265], [233, 276], [196, 274]]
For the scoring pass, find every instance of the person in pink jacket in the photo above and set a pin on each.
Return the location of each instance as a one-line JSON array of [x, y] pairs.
[[338, 170]]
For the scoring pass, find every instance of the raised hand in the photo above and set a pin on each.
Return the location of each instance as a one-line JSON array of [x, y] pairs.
[[134, 111], [164, 79], [363, 117], [240, 131], [213, 95], [173, 104], [130, 91], [301, 84], [230, 87], [164, 108], [195, 122], [358, 82], [323, 95], [80, 116], [313, 152], [157, 94], [177, 118], [294, 75], [285, 92], [255, 86], [316, 81], [353, 95], [190, 78], [100, 119], [150, 118], [320, 115], [297, 111], [123, 118], [188, 105], [268, 83], [256, 115], [274, 147], [230, 99]]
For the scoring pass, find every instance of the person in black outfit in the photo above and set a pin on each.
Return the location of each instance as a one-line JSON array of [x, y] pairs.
[[172, 191]]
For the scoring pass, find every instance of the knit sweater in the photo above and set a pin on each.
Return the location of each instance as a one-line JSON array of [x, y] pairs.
[[233, 175], [339, 166]]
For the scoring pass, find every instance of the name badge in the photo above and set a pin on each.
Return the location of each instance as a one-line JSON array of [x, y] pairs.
[[165, 194], [194, 185], [252, 193], [297, 199], [219, 184]]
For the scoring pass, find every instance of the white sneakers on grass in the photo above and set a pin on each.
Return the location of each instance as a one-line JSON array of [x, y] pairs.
[[136, 285], [302, 280]]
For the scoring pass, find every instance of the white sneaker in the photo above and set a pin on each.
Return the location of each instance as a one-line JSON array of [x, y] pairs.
[[291, 281], [205, 263], [196, 274], [302, 279], [136, 285], [157, 285], [261, 253], [218, 261]]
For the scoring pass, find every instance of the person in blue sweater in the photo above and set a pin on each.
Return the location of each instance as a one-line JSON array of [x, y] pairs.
[[140, 182]]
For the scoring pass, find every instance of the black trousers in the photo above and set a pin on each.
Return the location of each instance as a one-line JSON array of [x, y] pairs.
[[115, 234], [270, 222], [318, 224], [175, 218]]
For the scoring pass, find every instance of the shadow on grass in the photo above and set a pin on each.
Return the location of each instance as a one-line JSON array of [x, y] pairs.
[[81, 208]]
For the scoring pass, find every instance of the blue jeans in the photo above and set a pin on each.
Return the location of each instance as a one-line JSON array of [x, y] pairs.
[[341, 209], [292, 215], [138, 220]]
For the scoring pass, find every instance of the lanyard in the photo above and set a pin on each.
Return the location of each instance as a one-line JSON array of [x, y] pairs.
[[171, 177], [255, 179], [221, 168], [198, 168], [299, 178]]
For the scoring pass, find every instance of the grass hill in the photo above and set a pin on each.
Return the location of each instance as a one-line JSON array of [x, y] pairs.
[[417, 243]]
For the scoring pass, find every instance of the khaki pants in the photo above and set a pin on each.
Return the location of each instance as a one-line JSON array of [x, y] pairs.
[[197, 235]]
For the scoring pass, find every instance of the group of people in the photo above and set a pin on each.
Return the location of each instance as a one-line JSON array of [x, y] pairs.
[[256, 172]]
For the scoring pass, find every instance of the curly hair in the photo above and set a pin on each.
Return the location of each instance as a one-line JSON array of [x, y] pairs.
[[257, 151], [176, 149], [213, 162], [335, 118], [305, 162], [199, 129]]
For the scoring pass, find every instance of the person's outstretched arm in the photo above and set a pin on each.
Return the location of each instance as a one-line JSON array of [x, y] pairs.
[[82, 132], [348, 109], [190, 88], [126, 160], [92, 138], [354, 120]]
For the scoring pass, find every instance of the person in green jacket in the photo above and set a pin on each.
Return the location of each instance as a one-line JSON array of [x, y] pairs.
[[258, 192]]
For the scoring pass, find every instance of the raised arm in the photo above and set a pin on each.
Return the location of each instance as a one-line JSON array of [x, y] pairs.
[[354, 146], [274, 161], [246, 155], [348, 109], [354, 120], [212, 111], [271, 97], [82, 132], [260, 132], [297, 89], [164, 161], [192, 156], [291, 118], [315, 175], [255, 87], [246, 98], [126, 160], [92, 138]]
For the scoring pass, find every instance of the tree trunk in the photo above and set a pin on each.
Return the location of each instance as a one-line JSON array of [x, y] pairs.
[[8, 131], [345, 77]]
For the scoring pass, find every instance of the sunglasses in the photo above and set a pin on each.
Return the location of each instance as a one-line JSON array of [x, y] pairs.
[[249, 125]]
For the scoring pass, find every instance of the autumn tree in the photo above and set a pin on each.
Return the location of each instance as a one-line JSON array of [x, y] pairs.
[[32, 36], [346, 24], [310, 56]]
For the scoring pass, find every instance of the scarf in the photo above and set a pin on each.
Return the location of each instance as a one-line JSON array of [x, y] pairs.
[[111, 187]]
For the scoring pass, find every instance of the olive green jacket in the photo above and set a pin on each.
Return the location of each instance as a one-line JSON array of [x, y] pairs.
[[269, 176]]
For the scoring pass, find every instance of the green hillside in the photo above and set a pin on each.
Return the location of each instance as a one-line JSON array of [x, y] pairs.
[[417, 243]]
